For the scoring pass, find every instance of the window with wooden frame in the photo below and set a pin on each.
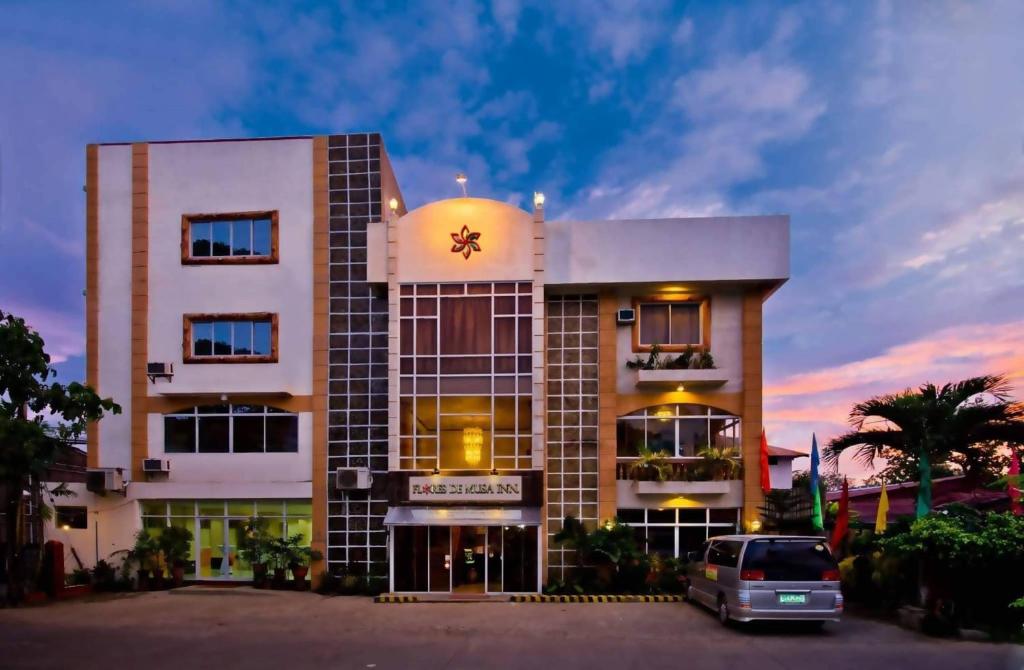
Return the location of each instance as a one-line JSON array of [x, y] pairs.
[[237, 238], [672, 322], [230, 338]]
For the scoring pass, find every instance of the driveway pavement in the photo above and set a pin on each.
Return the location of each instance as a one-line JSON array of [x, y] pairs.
[[241, 628]]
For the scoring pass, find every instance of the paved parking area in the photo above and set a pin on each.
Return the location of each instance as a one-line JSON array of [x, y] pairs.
[[242, 628]]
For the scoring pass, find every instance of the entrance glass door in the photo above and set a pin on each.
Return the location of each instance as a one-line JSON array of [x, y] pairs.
[[469, 569], [464, 559], [219, 540]]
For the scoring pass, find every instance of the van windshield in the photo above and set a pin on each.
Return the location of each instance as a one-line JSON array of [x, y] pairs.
[[789, 560]]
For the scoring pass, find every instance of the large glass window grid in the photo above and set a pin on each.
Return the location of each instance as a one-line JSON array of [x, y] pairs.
[[218, 525], [678, 431], [672, 532], [572, 419], [490, 388], [231, 429]]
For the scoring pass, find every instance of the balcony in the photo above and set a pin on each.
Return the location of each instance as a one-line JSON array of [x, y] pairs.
[[692, 479], [692, 369], [670, 380]]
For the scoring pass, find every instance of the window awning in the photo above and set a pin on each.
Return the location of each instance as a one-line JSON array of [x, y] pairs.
[[462, 516]]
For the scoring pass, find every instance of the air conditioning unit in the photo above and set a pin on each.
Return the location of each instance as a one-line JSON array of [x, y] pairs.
[[155, 465], [159, 371], [353, 479], [102, 480], [625, 316]]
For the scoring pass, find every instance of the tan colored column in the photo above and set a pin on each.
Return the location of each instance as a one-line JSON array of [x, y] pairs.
[[140, 307], [92, 292], [753, 497], [608, 369], [321, 341]]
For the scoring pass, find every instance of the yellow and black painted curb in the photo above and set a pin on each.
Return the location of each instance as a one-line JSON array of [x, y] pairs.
[[596, 599], [389, 598]]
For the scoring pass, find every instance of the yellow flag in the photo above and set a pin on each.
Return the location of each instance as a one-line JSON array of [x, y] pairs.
[[881, 519]]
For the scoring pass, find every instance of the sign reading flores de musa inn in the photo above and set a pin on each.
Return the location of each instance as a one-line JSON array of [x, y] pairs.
[[466, 489]]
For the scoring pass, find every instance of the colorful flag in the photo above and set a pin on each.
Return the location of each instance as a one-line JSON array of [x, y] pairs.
[[766, 474], [816, 518], [882, 517], [1013, 483], [842, 518], [924, 486]]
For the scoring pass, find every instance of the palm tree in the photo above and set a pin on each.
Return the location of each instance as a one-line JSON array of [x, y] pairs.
[[956, 422]]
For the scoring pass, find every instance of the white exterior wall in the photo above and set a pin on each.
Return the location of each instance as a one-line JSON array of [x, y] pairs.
[[228, 177], [113, 521], [210, 177], [425, 242], [115, 301], [780, 473], [737, 248]]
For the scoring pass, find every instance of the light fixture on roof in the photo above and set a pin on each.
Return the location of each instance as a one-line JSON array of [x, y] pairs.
[[461, 179], [680, 388], [538, 199], [393, 205]]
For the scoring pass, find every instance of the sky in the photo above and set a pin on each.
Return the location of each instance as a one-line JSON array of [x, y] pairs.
[[891, 133]]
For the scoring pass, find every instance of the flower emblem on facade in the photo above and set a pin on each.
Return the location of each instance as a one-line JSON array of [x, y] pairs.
[[465, 242]]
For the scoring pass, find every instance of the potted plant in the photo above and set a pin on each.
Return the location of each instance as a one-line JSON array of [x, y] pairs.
[[650, 466], [175, 542], [297, 557], [300, 567], [719, 463], [279, 556], [145, 553], [256, 550]]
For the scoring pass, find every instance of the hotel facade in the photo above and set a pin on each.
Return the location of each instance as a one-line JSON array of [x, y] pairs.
[[425, 395]]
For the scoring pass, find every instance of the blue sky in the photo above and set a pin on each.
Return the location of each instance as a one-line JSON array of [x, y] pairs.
[[892, 133]]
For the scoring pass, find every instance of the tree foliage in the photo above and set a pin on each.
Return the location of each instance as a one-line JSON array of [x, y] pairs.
[[959, 423], [38, 417]]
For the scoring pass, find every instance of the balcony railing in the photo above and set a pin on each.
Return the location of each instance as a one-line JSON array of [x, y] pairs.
[[680, 470]]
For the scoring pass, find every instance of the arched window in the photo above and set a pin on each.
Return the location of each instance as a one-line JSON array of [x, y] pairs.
[[679, 431], [221, 429]]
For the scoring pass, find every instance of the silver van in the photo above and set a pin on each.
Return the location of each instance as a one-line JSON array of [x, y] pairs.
[[765, 577]]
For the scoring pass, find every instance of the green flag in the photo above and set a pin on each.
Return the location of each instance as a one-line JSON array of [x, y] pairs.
[[816, 519], [924, 486]]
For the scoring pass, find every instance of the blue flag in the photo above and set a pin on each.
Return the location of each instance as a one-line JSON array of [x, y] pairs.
[[816, 517]]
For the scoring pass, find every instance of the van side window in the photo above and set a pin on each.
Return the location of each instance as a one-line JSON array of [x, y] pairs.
[[725, 553]]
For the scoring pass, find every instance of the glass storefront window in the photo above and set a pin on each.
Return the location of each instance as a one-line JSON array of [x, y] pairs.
[[218, 528], [674, 532]]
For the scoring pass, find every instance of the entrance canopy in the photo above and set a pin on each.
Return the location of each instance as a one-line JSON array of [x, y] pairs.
[[462, 516]]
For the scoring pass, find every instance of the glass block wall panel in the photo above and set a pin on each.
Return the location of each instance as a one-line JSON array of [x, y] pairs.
[[572, 419], [358, 350]]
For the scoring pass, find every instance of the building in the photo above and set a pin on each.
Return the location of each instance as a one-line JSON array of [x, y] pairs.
[[955, 490], [424, 394]]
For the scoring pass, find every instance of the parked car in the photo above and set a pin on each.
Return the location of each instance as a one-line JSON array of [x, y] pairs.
[[765, 577]]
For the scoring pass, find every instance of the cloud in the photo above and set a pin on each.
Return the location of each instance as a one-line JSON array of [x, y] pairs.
[[823, 397]]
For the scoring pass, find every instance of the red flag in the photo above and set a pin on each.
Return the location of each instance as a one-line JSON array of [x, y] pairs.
[[1012, 486], [766, 476], [842, 518]]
